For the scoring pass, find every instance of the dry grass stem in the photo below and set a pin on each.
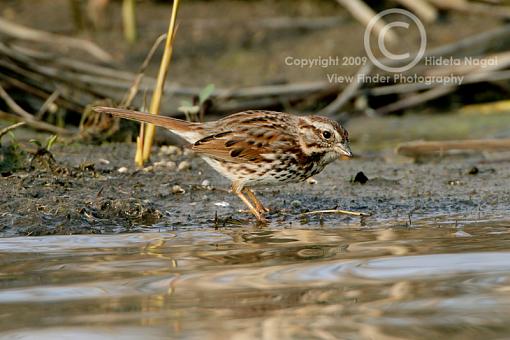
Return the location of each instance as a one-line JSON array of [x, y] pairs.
[[364, 14], [422, 8], [10, 127], [420, 148], [348, 93], [37, 125], [129, 20], [160, 83], [335, 211], [14, 106], [133, 90], [24, 33]]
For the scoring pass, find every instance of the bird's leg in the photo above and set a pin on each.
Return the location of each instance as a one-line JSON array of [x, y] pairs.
[[238, 190], [254, 211], [258, 204]]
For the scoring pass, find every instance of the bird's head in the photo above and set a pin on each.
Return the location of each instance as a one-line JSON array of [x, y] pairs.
[[321, 135]]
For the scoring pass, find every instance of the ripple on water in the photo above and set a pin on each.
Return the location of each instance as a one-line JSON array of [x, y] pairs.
[[419, 267], [63, 243], [295, 283]]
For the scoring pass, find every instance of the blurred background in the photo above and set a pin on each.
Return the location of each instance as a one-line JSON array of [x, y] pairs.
[[59, 57]]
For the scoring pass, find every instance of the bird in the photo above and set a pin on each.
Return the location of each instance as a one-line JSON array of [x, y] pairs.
[[256, 148]]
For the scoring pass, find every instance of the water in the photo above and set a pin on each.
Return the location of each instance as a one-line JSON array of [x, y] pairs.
[[434, 280]]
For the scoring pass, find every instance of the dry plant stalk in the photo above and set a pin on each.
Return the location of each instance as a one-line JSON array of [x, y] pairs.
[[335, 211], [364, 14], [419, 148], [144, 144], [10, 127], [422, 8], [501, 11], [133, 90], [37, 125], [54, 40], [129, 20]]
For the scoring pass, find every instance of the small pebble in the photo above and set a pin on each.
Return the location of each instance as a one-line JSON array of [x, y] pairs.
[[473, 171], [177, 189], [205, 183], [159, 164], [360, 178], [184, 165], [295, 204], [104, 161], [149, 168], [311, 181], [222, 204], [163, 150], [166, 164], [171, 165], [170, 150], [122, 170], [187, 152]]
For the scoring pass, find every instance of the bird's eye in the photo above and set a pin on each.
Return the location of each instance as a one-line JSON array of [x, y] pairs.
[[326, 134]]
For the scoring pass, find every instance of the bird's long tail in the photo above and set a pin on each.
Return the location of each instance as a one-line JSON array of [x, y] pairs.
[[185, 129]]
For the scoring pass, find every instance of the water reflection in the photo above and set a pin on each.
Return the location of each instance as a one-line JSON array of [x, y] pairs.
[[332, 282]]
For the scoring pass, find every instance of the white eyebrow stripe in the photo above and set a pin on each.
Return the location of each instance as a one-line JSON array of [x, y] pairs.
[[323, 126], [337, 136]]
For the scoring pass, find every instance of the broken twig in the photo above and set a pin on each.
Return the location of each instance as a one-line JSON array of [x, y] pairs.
[[10, 127], [21, 32], [336, 211], [420, 148]]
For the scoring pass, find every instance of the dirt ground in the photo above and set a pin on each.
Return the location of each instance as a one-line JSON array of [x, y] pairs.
[[83, 191]]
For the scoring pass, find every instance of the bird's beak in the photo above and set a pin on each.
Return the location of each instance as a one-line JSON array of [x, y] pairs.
[[343, 150]]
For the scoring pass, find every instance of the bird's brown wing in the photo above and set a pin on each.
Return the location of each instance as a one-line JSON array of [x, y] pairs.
[[246, 144]]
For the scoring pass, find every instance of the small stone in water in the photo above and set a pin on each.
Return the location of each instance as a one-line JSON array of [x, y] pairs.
[[150, 168], [205, 183], [122, 170], [104, 161]]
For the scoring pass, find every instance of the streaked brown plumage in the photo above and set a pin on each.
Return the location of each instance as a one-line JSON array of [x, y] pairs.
[[257, 148]]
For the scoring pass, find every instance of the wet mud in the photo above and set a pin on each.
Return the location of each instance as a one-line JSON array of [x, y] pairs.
[[96, 189]]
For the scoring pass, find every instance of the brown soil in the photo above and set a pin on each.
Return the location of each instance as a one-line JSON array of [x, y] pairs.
[[81, 193]]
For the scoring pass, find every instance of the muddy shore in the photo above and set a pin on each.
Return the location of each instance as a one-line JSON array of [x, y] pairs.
[[84, 192]]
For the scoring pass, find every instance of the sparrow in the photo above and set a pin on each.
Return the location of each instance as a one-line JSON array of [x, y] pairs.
[[257, 148]]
